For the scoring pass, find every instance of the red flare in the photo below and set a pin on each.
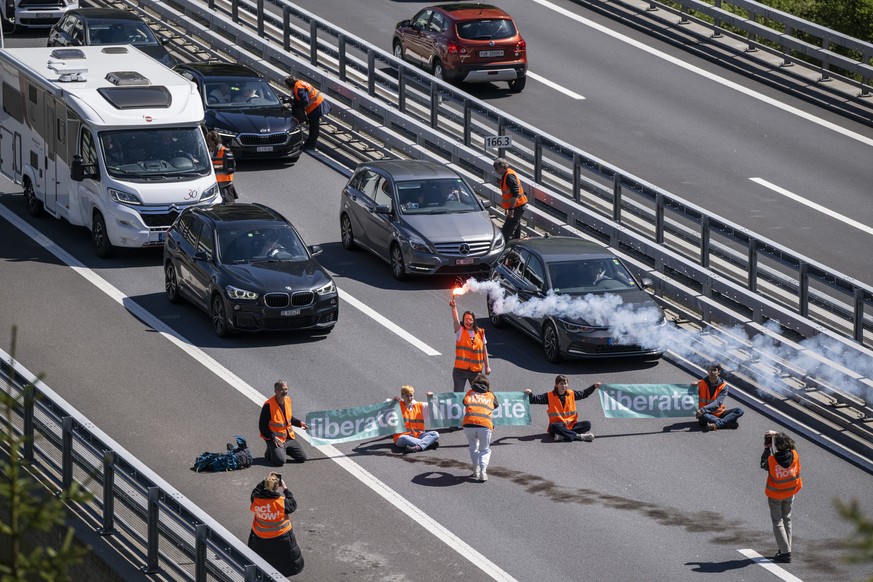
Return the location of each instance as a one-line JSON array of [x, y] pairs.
[[458, 291]]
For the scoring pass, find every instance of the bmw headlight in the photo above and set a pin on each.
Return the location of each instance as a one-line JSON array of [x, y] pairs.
[[237, 293], [209, 193], [420, 245], [577, 327], [326, 289], [124, 197]]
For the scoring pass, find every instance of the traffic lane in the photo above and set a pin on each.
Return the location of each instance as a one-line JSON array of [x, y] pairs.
[[692, 136], [166, 408]]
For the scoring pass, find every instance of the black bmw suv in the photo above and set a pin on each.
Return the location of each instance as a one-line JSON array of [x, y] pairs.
[[243, 109], [247, 267]]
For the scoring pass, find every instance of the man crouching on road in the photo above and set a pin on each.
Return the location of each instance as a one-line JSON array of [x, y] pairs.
[[275, 427]]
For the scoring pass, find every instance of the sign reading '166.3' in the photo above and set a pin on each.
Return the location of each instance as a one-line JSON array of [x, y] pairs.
[[498, 141]]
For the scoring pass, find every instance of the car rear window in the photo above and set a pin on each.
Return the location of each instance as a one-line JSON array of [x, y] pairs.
[[494, 29]]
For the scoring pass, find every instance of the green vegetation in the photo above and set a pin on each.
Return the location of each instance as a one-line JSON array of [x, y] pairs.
[[28, 508], [860, 545]]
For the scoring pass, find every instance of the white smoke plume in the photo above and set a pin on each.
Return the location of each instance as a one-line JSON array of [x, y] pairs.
[[645, 327]]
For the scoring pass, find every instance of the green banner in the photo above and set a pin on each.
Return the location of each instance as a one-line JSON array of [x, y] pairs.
[[648, 400], [353, 424], [447, 409]]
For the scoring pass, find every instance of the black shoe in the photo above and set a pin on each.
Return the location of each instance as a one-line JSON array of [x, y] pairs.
[[434, 446], [733, 425], [782, 558]]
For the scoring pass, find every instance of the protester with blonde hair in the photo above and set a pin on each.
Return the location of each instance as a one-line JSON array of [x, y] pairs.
[[272, 536]]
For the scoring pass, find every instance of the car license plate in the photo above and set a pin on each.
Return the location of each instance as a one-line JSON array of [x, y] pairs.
[[490, 53], [265, 149], [290, 312], [616, 341], [156, 236], [465, 261], [45, 15]]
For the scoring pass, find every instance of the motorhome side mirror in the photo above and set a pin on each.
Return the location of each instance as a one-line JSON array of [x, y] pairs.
[[315, 250], [77, 169]]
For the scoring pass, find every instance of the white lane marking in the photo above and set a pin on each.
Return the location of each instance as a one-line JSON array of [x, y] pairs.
[[769, 565], [428, 523], [391, 326], [813, 205], [711, 76], [555, 86]]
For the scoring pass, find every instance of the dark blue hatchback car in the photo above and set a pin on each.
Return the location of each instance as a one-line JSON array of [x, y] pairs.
[[243, 109], [246, 266]]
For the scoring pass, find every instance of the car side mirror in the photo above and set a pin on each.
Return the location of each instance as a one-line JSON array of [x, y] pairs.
[[647, 284], [485, 203], [382, 209], [403, 23], [315, 250], [201, 256]]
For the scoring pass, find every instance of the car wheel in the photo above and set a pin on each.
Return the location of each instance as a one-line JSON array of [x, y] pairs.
[[551, 347], [34, 206], [496, 320], [398, 267], [171, 283], [219, 317], [100, 237], [438, 71], [517, 85], [346, 233], [398, 51]]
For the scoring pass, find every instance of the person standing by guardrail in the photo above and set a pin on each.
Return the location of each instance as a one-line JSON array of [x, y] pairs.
[[307, 104], [711, 394], [275, 425], [272, 535], [782, 463], [513, 199], [224, 165]]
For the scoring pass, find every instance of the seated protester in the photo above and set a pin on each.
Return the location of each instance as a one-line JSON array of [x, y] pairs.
[[711, 394], [564, 420], [272, 536], [415, 439]]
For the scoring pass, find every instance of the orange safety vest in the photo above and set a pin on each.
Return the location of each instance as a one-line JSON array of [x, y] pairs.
[[479, 408], [566, 412], [413, 418], [704, 398], [470, 352], [506, 200], [280, 424], [270, 520], [315, 97], [783, 483], [218, 163]]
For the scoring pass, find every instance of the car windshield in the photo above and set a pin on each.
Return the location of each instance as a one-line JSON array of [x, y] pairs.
[[260, 244], [495, 29], [590, 276], [147, 154], [239, 93], [451, 195], [127, 32]]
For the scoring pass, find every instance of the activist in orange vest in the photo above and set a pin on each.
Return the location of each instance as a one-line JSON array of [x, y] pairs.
[[564, 423], [415, 439], [275, 428], [711, 394], [513, 199], [479, 405], [782, 463], [224, 165], [307, 104], [272, 537], [471, 349]]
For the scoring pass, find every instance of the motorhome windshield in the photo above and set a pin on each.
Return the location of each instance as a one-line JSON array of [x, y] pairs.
[[151, 154]]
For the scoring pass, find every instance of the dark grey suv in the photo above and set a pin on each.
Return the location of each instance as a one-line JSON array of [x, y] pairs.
[[420, 217]]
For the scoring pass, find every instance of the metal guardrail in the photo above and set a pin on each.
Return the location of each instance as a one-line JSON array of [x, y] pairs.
[[168, 532]]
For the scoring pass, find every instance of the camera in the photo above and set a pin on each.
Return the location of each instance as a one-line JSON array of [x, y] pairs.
[[278, 476], [768, 440]]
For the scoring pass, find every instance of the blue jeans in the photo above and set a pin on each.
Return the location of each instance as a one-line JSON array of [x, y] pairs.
[[426, 439], [730, 415], [567, 432]]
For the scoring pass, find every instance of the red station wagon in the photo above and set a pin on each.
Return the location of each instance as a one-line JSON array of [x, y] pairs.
[[464, 42]]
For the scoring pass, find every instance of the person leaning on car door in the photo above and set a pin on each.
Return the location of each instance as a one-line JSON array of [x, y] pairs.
[[224, 165], [512, 200], [307, 104]]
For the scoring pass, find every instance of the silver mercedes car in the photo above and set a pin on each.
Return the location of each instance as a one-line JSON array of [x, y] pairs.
[[420, 217]]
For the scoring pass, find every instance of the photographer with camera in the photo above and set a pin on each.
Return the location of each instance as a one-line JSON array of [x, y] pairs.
[[272, 537], [782, 463]]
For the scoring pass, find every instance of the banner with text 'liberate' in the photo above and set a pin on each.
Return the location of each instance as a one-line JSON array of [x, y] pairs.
[[329, 427], [447, 409], [648, 400]]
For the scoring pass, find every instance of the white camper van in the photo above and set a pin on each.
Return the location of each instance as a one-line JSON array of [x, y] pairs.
[[105, 137]]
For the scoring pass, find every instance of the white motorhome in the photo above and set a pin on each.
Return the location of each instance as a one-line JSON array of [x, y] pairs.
[[103, 137]]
